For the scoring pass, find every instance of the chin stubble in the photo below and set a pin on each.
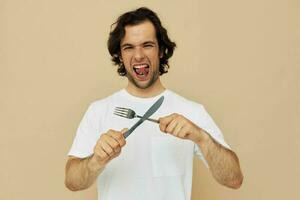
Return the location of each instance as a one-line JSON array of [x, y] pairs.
[[150, 83]]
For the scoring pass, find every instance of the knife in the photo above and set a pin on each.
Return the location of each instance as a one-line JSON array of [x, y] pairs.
[[147, 114]]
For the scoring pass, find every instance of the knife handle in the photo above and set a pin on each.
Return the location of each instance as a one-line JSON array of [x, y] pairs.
[[127, 133]]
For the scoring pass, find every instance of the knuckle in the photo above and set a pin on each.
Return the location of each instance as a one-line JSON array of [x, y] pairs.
[[100, 142], [100, 154], [110, 152], [119, 135], [174, 114], [123, 142], [168, 129], [178, 116], [115, 146], [162, 122], [110, 132], [117, 150], [161, 129], [102, 136]]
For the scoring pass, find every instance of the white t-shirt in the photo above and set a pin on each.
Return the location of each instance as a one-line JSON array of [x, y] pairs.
[[152, 165]]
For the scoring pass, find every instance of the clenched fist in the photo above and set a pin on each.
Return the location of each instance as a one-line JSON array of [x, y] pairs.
[[179, 126], [109, 146]]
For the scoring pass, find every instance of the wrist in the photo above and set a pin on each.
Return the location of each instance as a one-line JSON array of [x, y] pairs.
[[202, 136]]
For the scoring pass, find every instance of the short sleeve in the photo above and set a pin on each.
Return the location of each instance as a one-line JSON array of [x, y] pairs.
[[86, 135], [205, 122]]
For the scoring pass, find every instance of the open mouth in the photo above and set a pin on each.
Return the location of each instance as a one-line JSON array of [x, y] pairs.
[[141, 71]]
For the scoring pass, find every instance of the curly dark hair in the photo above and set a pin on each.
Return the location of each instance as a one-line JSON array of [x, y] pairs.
[[135, 17]]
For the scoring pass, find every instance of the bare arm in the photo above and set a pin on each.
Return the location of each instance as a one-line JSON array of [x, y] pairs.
[[81, 173], [223, 163]]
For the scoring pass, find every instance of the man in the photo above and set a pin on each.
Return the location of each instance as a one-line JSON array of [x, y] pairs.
[[155, 161]]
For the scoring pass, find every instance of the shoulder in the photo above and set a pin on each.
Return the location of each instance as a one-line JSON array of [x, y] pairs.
[[192, 110], [177, 100], [103, 104]]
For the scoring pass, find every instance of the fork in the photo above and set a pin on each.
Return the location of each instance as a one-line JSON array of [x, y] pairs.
[[130, 114]]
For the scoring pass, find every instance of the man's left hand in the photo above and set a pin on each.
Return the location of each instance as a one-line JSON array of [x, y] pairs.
[[179, 126]]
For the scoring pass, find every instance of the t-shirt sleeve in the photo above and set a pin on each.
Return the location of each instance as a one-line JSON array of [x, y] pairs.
[[205, 122], [86, 135]]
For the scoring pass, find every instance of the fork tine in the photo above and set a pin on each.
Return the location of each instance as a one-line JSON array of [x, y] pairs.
[[124, 112], [120, 108], [120, 113]]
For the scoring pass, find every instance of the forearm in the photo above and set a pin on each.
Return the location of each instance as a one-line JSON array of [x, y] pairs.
[[223, 163], [81, 173]]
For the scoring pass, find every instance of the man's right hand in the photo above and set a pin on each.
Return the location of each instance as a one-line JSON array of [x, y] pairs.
[[81, 173], [108, 147]]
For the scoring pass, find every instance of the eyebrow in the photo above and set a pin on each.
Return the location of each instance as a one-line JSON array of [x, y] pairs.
[[130, 45], [149, 42]]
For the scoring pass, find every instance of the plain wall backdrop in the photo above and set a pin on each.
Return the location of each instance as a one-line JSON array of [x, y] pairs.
[[240, 59]]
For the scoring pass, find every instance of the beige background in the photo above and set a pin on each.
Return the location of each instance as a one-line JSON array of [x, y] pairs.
[[240, 59]]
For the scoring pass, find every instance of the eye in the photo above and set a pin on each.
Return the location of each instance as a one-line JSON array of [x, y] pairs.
[[127, 48], [148, 45]]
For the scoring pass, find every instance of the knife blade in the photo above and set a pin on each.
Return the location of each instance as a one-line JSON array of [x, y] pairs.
[[147, 114]]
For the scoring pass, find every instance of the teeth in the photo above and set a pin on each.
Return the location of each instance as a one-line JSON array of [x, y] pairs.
[[140, 66], [141, 69]]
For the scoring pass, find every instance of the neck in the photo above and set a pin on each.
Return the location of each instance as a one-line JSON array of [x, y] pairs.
[[151, 91]]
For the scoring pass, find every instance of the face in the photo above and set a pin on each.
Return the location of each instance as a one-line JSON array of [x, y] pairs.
[[140, 55]]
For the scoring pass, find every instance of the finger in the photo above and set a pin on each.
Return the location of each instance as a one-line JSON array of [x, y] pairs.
[[119, 137], [177, 130], [101, 154], [124, 130], [119, 141], [171, 127], [165, 121], [116, 154], [107, 148], [162, 126], [103, 150], [184, 133], [105, 157], [175, 124], [180, 125], [113, 143]]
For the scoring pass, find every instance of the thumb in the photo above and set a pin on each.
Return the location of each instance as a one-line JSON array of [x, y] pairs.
[[124, 130]]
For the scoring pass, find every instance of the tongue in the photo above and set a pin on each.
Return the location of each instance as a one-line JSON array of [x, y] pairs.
[[142, 70]]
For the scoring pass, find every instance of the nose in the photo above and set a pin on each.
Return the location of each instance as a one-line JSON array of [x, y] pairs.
[[139, 54]]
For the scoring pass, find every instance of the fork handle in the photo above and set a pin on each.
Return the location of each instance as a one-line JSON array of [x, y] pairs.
[[149, 119], [153, 120]]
